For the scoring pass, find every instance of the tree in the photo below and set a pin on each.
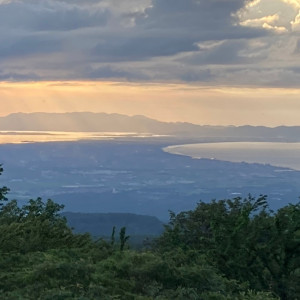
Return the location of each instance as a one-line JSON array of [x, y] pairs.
[[244, 239], [112, 237], [123, 238], [3, 191]]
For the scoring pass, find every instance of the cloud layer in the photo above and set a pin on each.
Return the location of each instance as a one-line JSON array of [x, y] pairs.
[[215, 42]]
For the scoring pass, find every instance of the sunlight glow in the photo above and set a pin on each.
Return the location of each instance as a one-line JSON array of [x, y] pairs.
[[207, 105], [277, 15]]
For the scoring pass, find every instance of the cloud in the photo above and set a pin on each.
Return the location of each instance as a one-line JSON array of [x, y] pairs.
[[223, 53], [107, 71], [30, 44], [204, 75], [148, 40], [260, 21], [169, 27], [278, 29], [294, 3], [278, 15], [50, 16], [19, 77], [296, 23]]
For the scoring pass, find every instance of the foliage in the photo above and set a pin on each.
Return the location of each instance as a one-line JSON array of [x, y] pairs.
[[123, 238], [244, 240], [3, 190], [36, 226], [228, 249]]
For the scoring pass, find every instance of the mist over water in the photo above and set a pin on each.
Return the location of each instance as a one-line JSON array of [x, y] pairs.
[[285, 155]]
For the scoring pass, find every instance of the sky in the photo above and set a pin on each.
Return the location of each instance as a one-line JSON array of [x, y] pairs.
[[215, 62]]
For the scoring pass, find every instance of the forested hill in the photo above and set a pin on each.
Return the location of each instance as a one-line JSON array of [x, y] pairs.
[[101, 224], [102, 122]]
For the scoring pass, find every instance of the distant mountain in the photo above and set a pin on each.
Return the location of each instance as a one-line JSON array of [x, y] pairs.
[[102, 122], [87, 121], [101, 224]]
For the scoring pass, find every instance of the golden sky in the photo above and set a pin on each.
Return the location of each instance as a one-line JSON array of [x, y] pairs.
[[167, 102]]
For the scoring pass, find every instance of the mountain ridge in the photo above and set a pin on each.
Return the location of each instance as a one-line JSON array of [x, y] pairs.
[[103, 122]]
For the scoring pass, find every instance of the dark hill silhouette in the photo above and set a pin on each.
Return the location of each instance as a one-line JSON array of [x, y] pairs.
[[101, 224]]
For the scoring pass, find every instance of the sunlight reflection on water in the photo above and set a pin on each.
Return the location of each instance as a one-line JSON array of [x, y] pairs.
[[21, 137]]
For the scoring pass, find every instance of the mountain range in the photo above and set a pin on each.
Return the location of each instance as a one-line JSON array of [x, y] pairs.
[[102, 122]]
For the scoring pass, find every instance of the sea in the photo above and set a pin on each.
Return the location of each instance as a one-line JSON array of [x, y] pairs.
[[285, 155], [23, 137]]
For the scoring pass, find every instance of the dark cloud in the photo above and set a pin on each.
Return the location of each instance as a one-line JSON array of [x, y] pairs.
[[196, 76], [111, 72], [170, 27], [143, 46], [198, 15], [19, 76], [200, 19], [132, 40], [166, 28], [225, 53], [49, 15], [29, 45]]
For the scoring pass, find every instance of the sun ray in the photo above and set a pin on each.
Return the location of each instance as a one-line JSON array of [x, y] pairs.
[[166, 102]]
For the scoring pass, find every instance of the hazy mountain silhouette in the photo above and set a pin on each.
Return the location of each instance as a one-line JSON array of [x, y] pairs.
[[102, 122]]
